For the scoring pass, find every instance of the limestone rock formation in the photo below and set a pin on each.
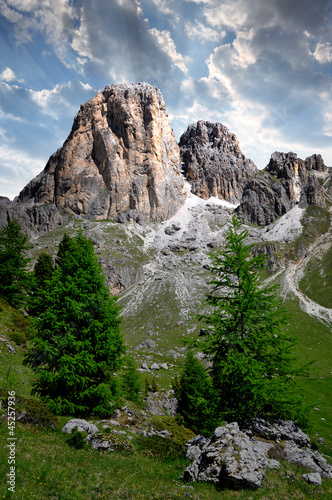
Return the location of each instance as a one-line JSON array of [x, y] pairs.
[[81, 425], [229, 459], [213, 162], [235, 458], [121, 156], [285, 182]]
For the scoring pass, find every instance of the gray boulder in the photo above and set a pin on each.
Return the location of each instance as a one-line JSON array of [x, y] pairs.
[[229, 459], [82, 425], [160, 403], [238, 459], [146, 344], [282, 429], [307, 458], [313, 478]]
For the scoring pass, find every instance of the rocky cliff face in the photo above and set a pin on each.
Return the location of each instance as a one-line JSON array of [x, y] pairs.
[[121, 156], [213, 162], [285, 182]]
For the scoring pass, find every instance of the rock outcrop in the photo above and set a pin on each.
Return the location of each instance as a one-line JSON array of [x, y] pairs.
[[213, 162], [229, 459], [235, 458], [285, 182], [120, 157], [81, 425]]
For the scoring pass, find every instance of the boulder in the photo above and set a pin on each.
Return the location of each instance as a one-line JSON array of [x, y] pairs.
[[229, 459], [282, 429], [235, 458], [313, 478], [82, 425], [312, 460], [161, 403], [146, 344]]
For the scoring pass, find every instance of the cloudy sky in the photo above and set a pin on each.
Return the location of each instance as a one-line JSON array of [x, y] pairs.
[[263, 68]]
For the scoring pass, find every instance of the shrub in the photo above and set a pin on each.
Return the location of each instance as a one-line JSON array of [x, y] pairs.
[[77, 439], [39, 414], [158, 447], [18, 337], [180, 433]]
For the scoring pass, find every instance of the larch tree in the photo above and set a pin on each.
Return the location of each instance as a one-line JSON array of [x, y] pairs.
[[253, 369]]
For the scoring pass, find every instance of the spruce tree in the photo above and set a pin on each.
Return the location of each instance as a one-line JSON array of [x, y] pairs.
[[76, 343], [14, 279], [43, 271], [253, 367]]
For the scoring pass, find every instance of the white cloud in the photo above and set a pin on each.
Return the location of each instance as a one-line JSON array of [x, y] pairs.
[[55, 19], [323, 52], [7, 75], [167, 45], [57, 101], [166, 7], [16, 170], [203, 32]]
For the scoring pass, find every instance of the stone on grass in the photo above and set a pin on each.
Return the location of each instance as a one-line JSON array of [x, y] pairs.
[[82, 425], [229, 459], [286, 430], [313, 478]]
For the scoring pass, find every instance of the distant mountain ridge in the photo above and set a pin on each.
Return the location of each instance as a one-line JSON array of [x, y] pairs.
[[121, 162]]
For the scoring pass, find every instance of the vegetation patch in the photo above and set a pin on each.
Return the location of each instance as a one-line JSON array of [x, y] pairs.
[[180, 434], [161, 448], [317, 279]]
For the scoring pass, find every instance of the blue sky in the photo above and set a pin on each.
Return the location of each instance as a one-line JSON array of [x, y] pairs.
[[263, 68]]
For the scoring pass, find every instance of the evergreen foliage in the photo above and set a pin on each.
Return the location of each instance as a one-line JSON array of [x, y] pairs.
[[14, 278], [44, 268], [76, 343], [43, 271], [253, 368], [176, 386], [195, 397], [131, 381]]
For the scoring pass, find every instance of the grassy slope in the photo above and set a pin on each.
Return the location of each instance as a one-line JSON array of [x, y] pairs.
[[317, 280], [49, 468]]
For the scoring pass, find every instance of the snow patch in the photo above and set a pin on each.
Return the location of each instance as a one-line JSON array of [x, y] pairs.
[[287, 228]]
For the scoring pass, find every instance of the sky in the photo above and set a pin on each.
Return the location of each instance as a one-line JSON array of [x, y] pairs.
[[263, 68]]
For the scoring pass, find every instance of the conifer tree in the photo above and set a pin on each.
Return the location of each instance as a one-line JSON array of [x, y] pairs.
[[43, 270], [14, 278], [77, 343], [131, 380], [195, 397], [253, 368]]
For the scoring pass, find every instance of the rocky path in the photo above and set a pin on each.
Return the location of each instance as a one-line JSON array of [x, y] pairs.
[[295, 273]]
